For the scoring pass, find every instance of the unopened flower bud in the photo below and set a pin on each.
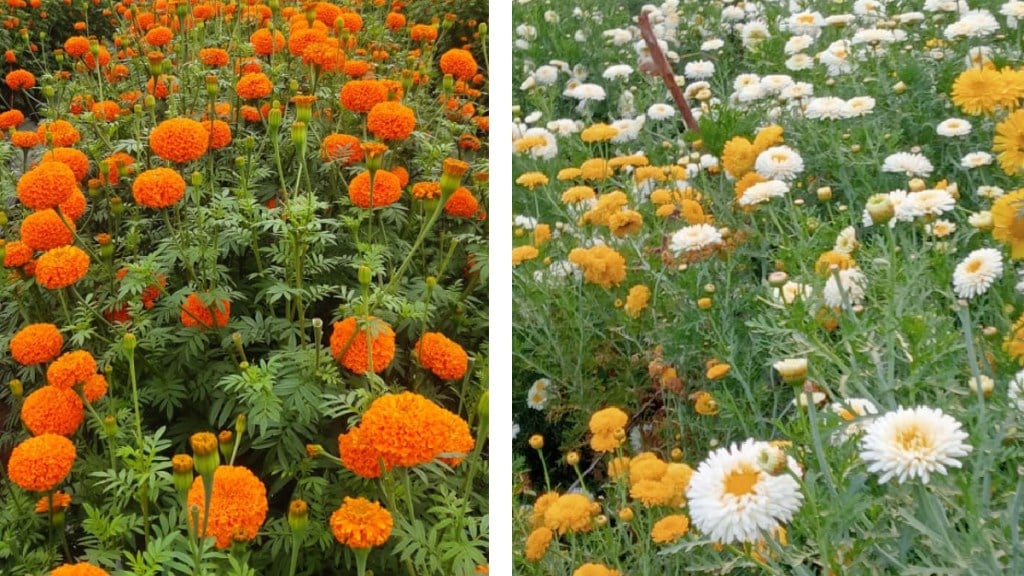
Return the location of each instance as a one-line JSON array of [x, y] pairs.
[[183, 474], [880, 208], [536, 441], [365, 275], [204, 446], [298, 515], [16, 388], [129, 341], [226, 443], [572, 458]]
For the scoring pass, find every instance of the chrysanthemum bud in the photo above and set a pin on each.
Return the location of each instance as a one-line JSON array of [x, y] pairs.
[[536, 441], [984, 382], [792, 370], [204, 446], [626, 514], [704, 303], [298, 515], [572, 458], [880, 208], [676, 455], [772, 460], [824, 193]]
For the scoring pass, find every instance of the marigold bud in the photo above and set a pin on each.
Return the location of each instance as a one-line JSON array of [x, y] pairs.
[[298, 515], [365, 275], [226, 443], [16, 388], [129, 341], [204, 446], [182, 466]]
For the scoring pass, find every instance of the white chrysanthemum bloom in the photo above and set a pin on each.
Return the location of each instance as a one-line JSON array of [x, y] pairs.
[[839, 20], [877, 36], [732, 499], [991, 192], [858, 412], [791, 292], [691, 90], [941, 5], [976, 273], [940, 228], [913, 443], [661, 111], [901, 213], [851, 282], [545, 75], [973, 24], [836, 58], [617, 72], [693, 238], [908, 164], [699, 70], [733, 14], [930, 202], [521, 44], [708, 161], [526, 32], [860, 106], [750, 93], [982, 220], [797, 91], [1015, 391], [976, 160], [564, 126], [827, 108], [1014, 11], [628, 129], [524, 222], [776, 83], [743, 80], [846, 241], [805, 23], [533, 117], [586, 92], [618, 36], [797, 44], [763, 192], [870, 8], [909, 17], [537, 397], [779, 163], [951, 127], [712, 45]]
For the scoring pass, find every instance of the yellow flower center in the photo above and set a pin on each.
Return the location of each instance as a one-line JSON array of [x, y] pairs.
[[912, 438], [742, 480], [973, 266]]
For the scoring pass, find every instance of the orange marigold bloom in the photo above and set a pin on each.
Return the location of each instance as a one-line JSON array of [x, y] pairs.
[[58, 133], [75, 367], [408, 429], [20, 80], [61, 267], [23, 139], [76, 46], [343, 148], [395, 21], [459, 63], [324, 54], [158, 188], [403, 175], [362, 95], [220, 133], [52, 410], [74, 206], [162, 87], [356, 68], [11, 119], [95, 387], [80, 569], [327, 13], [254, 86], [462, 204], [60, 502], [423, 33], [391, 121], [266, 42], [17, 254], [353, 21], [351, 345], [213, 57], [179, 140], [357, 455], [46, 186], [40, 463], [74, 159], [116, 162], [45, 229], [457, 439], [238, 504], [36, 343], [106, 110], [196, 314], [426, 190], [159, 36], [445, 358], [387, 189], [359, 523], [300, 38]]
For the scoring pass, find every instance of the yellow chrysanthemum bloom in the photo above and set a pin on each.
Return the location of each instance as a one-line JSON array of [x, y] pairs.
[[767, 137], [833, 258], [738, 156], [979, 91], [625, 222], [670, 528], [532, 179], [541, 234], [645, 173], [631, 160], [568, 174], [599, 133], [1009, 143], [578, 194], [637, 300], [528, 143], [521, 254], [595, 169], [607, 205], [1008, 222]]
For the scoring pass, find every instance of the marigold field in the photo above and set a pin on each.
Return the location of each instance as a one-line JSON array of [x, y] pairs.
[[768, 312], [243, 311]]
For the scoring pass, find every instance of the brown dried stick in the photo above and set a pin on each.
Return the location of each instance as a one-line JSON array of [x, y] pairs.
[[665, 71]]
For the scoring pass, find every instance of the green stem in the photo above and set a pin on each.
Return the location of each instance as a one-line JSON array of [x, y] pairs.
[[294, 563]]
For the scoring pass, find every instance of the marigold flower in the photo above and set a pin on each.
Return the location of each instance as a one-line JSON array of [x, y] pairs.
[[106, 110], [356, 68], [52, 410], [266, 42], [20, 80], [342, 148], [196, 314], [25, 140], [159, 36], [353, 22], [80, 569], [462, 204], [158, 188], [445, 358], [670, 528], [179, 140], [72, 158], [44, 230], [358, 455], [16, 254], [426, 190], [61, 501], [387, 189], [238, 504], [115, 164], [11, 119], [352, 345], [220, 133], [61, 267], [46, 185], [391, 121], [74, 207], [361, 96], [36, 343], [40, 463], [394, 21], [423, 33], [71, 368], [254, 86], [359, 523], [58, 133], [408, 430], [459, 63], [95, 388], [213, 57]]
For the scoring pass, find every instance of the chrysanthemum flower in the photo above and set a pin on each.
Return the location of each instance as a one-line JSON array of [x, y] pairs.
[[341, 148], [40, 463], [158, 188], [459, 63], [391, 121], [592, 569], [80, 569], [179, 140], [352, 344], [61, 267], [537, 543], [695, 238], [608, 427], [46, 185], [732, 499], [571, 513], [445, 358], [196, 314], [238, 504], [975, 274], [52, 410], [361, 96], [1008, 224], [670, 528], [387, 189], [1009, 143], [359, 523], [601, 265], [978, 90], [462, 204], [36, 344], [913, 443], [779, 163]]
